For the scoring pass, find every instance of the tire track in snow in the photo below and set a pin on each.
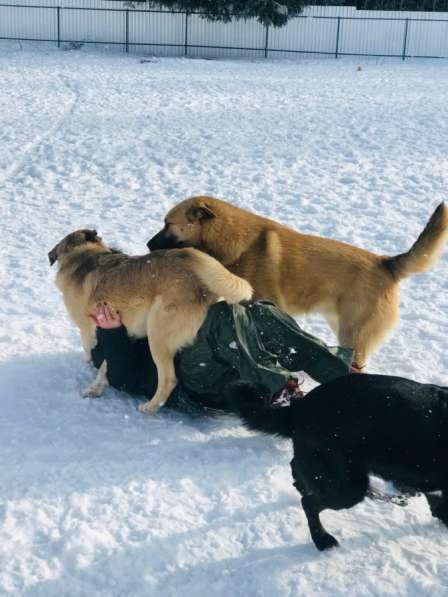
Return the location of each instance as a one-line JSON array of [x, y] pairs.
[[33, 146]]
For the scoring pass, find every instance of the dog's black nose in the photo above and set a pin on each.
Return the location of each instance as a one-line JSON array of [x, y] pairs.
[[153, 243], [159, 241], [162, 240], [53, 256]]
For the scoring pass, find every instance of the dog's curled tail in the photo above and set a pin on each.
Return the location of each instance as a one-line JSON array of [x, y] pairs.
[[250, 401], [218, 279], [426, 250]]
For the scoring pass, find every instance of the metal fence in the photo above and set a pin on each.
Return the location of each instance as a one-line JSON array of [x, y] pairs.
[[339, 31]]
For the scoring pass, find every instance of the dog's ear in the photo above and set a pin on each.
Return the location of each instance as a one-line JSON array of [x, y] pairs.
[[202, 212], [91, 236], [53, 255]]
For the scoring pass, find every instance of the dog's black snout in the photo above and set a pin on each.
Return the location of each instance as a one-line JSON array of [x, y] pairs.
[[163, 241], [52, 256], [154, 243]]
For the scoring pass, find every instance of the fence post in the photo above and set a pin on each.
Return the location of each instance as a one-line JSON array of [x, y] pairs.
[[58, 16], [266, 42], [405, 41], [127, 31], [336, 53], [187, 15]]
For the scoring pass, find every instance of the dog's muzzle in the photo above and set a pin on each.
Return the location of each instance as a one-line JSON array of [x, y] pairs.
[[52, 256], [163, 241]]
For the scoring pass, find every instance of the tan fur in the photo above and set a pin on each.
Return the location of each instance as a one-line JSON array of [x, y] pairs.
[[165, 296], [356, 290]]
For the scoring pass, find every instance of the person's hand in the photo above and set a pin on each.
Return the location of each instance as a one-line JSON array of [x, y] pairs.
[[105, 318]]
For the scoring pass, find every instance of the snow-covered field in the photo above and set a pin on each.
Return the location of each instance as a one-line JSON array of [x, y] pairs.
[[97, 499]]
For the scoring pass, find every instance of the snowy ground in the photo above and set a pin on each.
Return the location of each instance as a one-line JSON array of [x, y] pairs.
[[99, 500]]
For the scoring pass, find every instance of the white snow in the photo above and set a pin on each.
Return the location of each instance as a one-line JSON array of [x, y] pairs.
[[97, 499]]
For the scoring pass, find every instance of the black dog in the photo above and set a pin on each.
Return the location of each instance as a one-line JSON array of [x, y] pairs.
[[352, 426]]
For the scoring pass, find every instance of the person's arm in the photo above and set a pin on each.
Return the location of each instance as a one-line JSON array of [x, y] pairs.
[[129, 363]]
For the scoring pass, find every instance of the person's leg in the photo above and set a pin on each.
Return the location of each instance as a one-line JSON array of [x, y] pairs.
[[295, 349]]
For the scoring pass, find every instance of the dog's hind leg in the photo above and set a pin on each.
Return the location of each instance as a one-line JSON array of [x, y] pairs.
[[326, 482], [364, 330], [166, 375], [100, 383], [170, 327]]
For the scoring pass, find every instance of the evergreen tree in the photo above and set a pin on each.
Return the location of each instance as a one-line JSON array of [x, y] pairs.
[[267, 12]]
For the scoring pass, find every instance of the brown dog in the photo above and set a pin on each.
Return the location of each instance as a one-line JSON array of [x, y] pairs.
[[165, 296], [357, 291]]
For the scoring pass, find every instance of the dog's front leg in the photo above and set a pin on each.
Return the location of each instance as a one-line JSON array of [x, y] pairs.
[[88, 340], [307, 473], [100, 383], [322, 539]]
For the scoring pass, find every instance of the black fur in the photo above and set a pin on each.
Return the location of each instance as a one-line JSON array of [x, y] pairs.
[[53, 255], [252, 402], [163, 240], [352, 426], [91, 235], [107, 260]]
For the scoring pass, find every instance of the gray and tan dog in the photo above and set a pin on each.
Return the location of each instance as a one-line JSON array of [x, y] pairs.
[[165, 296], [356, 290]]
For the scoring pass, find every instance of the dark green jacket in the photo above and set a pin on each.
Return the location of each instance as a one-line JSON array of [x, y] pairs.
[[257, 343]]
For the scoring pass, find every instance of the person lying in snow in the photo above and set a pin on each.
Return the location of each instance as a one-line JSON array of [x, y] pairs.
[[257, 342]]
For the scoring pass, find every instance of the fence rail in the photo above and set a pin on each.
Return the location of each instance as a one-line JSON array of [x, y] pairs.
[[182, 33]]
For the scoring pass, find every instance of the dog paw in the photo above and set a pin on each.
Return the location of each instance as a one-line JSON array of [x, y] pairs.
[[325, 541], [148, 407], [91, 392]]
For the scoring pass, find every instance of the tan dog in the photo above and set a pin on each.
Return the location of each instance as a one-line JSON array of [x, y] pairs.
[[357, 291], [164, 296]]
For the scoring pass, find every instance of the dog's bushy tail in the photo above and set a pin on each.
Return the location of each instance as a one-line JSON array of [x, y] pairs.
[[426, 250], [218, 279], [251, 402]]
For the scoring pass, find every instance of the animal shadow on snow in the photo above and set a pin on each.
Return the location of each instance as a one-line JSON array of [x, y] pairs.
[[52, 432], [106, 443], [153, 567]]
